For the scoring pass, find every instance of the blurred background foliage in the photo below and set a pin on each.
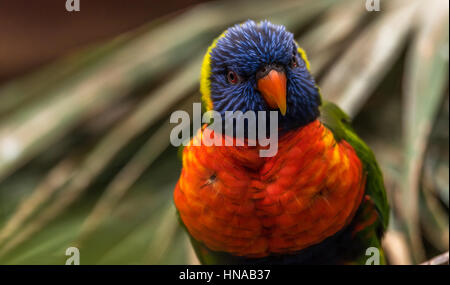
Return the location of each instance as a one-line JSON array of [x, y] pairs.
[[85, 158]]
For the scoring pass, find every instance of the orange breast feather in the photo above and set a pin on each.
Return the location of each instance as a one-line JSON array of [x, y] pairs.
[[234, 201]]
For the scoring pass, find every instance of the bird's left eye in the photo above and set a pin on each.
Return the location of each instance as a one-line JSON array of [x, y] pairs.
[[294, 61], [232, 77]]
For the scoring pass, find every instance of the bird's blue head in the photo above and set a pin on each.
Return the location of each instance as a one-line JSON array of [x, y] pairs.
[[260, 67]]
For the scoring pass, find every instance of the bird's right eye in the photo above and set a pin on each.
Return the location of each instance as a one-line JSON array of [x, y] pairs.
[[294, 62], [232, 77]]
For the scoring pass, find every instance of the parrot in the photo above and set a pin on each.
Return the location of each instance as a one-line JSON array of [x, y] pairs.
[[319, 200]]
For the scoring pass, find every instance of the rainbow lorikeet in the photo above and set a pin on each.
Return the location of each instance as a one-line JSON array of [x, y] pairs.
[[319, 200]]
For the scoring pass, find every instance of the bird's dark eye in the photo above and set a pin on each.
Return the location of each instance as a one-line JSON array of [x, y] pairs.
[[294, 62], [232, 77]]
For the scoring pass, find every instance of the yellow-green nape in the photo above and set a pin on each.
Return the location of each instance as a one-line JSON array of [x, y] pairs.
[[205, 81], [304, 57]]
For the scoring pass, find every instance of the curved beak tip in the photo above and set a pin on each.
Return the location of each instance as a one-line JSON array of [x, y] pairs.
[[283, 111], [273, 89]]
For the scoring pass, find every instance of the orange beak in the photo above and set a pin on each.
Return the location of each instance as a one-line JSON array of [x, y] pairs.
[[273, 89]]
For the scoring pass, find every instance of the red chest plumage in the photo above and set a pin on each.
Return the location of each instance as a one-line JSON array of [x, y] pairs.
[[234, 201]]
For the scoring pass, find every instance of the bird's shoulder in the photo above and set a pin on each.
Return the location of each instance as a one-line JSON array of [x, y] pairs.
[[339, 123]]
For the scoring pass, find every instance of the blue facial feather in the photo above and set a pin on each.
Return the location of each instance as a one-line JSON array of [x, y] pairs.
[[244, 49]]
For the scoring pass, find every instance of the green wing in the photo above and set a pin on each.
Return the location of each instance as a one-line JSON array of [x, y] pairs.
[[339, 123]]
